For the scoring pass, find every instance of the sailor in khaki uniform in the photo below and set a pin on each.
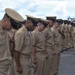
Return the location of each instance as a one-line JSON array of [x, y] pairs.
[[49, 44], [62, 30], [68, 34], [15, 19], [58, 46], [23, 47], [5, 55], [72, 34], [65, 44], [11, 34], [39, 53]]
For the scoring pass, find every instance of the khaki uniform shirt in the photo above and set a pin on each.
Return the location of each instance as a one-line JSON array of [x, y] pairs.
[[57, 40], [72, 31], [69, 28], [49, 38], [62, 27], [74, 34], [4, 45], [23, 41], [66, 29], [38, 41]]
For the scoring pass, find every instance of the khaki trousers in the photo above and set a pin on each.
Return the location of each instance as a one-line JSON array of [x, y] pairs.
[[55, 63], [48, 63], [11, 69], [69, 38], [26, 65], [71, 42], [4, 67], [74, 42], [65, 44], [40, 63]]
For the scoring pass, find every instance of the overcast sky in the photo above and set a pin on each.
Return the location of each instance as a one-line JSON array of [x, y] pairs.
[[40, 8]]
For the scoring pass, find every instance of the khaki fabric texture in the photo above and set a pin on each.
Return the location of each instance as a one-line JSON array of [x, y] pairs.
[[39, 44], [23, 44], [49, 46]]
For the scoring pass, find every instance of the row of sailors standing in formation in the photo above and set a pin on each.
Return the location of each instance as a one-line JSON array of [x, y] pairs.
[[33, 46]]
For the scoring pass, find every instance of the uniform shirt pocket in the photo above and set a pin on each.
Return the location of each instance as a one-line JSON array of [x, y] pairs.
[[27, 41]]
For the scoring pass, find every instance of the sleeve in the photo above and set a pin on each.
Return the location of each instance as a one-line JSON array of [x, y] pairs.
[[56, 37], [45, 32], [19, 39]]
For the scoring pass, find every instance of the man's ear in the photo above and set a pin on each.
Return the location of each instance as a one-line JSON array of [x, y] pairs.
[[5, 20]]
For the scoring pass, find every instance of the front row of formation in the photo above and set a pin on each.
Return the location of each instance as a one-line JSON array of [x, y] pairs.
[[33, 46]]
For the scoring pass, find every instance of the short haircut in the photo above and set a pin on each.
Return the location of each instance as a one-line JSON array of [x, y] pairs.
[[5, 16]]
